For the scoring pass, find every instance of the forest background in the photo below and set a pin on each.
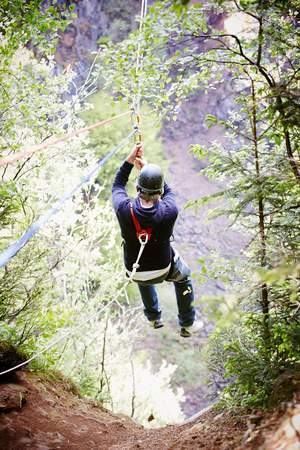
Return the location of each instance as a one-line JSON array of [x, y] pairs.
[[74, 265]]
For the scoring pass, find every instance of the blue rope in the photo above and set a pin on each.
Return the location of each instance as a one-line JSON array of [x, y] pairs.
[[14, 248]]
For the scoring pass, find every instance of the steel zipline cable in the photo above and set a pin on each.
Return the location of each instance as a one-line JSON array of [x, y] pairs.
[[14, 248], [139, 57]]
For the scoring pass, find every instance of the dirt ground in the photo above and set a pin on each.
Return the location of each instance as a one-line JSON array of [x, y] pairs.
[[43, 415], [40, 414]]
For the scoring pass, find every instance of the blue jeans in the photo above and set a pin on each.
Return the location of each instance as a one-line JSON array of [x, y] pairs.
[[180, 276]]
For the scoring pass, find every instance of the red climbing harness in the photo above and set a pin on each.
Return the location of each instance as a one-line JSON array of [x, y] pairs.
[[143, 234]]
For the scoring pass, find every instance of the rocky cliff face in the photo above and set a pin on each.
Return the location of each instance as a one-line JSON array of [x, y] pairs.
[[96, 21]]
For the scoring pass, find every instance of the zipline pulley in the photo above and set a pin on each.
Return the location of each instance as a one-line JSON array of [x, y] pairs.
[[135, 121]]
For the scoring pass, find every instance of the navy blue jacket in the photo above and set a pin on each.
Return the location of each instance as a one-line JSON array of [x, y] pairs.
[[161, 217]]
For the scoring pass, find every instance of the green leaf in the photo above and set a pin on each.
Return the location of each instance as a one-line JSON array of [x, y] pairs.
[[211, 120]]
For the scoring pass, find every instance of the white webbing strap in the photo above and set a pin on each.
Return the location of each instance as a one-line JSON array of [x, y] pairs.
[[143, 239]]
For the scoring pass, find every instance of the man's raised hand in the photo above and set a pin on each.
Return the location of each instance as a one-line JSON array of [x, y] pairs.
[[140, 162], [136, 152]]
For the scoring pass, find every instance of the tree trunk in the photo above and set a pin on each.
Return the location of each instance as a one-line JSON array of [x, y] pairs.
[[263, 250], [288, 145]]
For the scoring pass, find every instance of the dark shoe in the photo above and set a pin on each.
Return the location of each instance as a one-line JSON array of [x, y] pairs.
[[158, 323], [192, 329]]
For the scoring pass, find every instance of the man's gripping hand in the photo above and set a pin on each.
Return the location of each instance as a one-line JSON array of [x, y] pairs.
[[136, 154], [140, 162]]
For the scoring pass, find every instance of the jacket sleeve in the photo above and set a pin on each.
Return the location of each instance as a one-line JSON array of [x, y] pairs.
[[119, 194], [169, 201]]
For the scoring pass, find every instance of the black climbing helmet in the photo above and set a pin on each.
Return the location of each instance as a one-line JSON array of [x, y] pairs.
[[151, 179]]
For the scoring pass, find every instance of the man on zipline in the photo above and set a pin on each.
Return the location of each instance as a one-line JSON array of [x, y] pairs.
[[153, 211]]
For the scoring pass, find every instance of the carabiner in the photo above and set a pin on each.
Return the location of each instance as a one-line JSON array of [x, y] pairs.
[[143, 238]]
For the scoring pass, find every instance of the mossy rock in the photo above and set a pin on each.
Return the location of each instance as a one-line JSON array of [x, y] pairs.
[[284, 387], [9, 356]]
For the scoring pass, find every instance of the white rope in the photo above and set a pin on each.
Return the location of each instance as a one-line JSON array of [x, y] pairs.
[[139, 57], [136, 265]]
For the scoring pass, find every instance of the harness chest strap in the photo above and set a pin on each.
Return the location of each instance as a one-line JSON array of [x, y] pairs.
[[143, 234]]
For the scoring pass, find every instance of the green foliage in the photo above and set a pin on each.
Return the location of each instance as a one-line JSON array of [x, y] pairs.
[[29, 97], [237, 352], [30, 21], [9, 203], [248, 366]]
